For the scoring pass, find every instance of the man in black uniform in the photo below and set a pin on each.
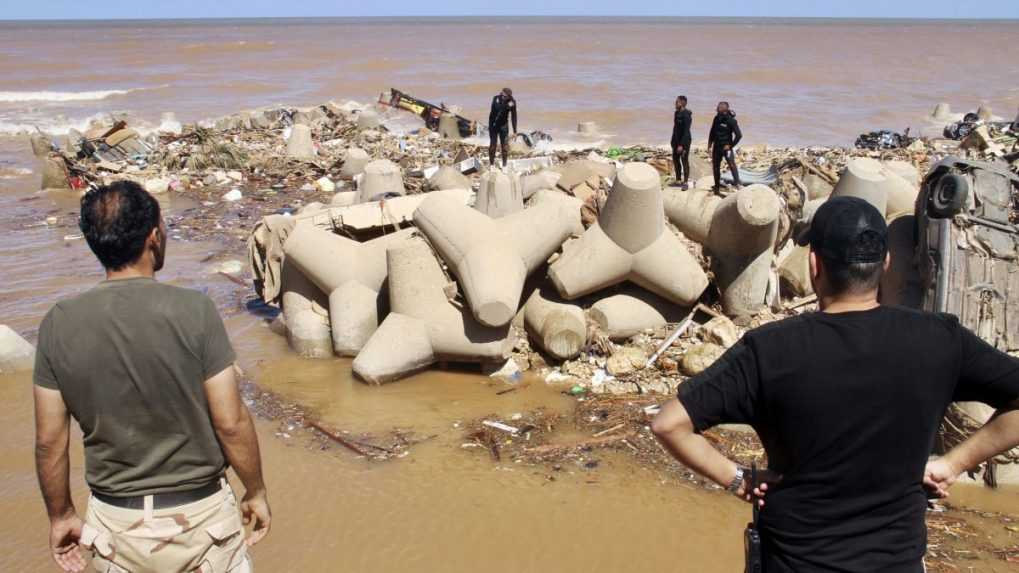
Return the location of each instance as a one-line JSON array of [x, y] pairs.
[[847, 402], [681, 139], [722, 139], [504, 108]]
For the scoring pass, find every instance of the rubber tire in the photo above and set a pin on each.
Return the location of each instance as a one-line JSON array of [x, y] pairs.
[[948, 197]]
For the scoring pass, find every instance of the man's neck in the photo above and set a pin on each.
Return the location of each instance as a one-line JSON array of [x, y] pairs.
[[848, 303], [131, 272]]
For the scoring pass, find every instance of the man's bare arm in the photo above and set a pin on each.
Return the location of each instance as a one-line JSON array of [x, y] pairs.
[[52, 457], [53, 468], [674, 429], [236, 432], [999, 434]]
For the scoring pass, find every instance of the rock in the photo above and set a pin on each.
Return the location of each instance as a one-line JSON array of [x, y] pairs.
[[325, 185], [16, 353], [231, 267], [41, 145], [235, 176], [448, 177], [157, 186], [698, 358], [626, 360], [721, 331], [210, 180], [344, 199], [668, 365], [449, 127], [233, 195]]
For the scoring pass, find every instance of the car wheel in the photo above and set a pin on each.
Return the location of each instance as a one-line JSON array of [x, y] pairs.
[[948, 196]]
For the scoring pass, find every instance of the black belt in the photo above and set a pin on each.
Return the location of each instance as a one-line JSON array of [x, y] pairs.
[[161, 500]]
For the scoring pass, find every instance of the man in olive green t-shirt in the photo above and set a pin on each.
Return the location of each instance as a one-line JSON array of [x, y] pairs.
[[146, 369]]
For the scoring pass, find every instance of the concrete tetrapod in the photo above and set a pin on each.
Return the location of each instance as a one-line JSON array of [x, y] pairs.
[[881, 186], [623, 315], [351, 272], [448, 177], [739, 232], [499, 194], [305, 314], [558, 328], [354, 162], [449, 127], [382, 178], [299, 145], [492, 257], [424, 327], [16, 353], [630, 242]]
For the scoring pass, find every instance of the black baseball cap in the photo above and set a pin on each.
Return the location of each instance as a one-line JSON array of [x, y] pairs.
[[848, 230]]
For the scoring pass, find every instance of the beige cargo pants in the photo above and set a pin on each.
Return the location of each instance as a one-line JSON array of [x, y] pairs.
[[205, 536]]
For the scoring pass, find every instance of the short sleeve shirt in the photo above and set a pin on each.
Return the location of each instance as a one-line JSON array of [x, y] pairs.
[[130, 358]]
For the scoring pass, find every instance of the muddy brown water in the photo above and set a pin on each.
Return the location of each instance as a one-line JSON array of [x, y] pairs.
[[442, 507]]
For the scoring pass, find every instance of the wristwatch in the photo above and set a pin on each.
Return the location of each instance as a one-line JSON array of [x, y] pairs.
[[737, 480]]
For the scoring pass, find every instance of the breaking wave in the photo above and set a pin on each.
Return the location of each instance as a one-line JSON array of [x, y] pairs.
[[53, 96]]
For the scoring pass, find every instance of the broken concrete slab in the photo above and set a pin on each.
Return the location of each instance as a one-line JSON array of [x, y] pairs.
[[332, 263], [424, 327], [381, 179], [580, 170], [16, 353], [492, 257], [627, 314], [499, 194], [300, 145], [629, 242], [544, 179], [344, 199], [558, 328]]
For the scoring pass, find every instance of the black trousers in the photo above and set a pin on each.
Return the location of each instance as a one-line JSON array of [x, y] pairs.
[[718, 152], [681, 160], [502, 135]]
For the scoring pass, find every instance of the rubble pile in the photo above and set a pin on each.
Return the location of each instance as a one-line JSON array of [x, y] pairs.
[[395, 245]]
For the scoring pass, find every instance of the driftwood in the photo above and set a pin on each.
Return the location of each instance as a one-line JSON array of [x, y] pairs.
[[351, 445], [548, 449]]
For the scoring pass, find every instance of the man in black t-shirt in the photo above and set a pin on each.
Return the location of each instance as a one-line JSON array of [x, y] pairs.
[[847, 402], [503, 112], [681, 139]]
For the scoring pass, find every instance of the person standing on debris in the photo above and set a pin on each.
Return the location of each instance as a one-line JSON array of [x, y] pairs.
[[847, 402], [504, 109], [722, 140], [681, 140], [147, 370]]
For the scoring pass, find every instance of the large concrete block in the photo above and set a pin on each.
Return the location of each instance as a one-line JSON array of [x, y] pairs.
[[351, 272], [300, 145], [558, 328], [54, 174], [382, 179], [16, 353], [306, 315], [629, 242], [448, 177], [881, 185], [448, 127], [368, 119], [499, 194], [492, 257], [424, 327], [902, 283], [623, 315], [739, 232], [354, 162]]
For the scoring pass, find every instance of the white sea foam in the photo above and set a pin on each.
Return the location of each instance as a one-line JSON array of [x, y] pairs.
[[55, 96], [57, 125]]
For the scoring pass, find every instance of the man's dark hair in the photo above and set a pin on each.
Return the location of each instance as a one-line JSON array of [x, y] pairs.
[[852, 278], [682, 99], [508, 92], [116, 220]]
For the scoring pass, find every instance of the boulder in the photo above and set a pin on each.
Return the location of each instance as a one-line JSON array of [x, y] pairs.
[[699, 358]]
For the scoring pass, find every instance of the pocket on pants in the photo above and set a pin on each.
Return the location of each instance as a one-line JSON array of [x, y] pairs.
[[227, 549]]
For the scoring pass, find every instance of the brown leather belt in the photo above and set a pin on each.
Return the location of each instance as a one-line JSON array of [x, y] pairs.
[[161, 500]]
